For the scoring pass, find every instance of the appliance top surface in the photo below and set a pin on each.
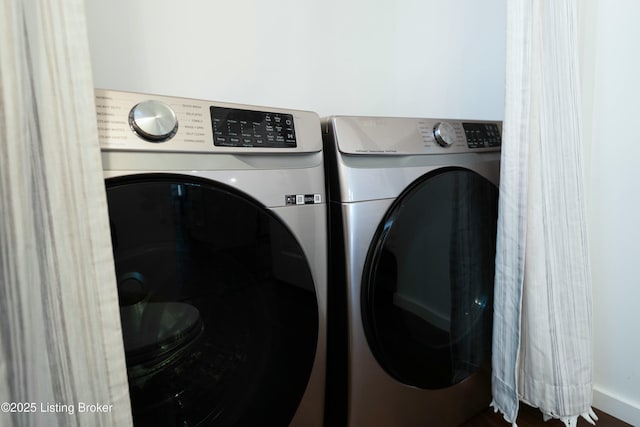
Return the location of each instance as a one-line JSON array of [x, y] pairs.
[[129, 121], [392, 136]]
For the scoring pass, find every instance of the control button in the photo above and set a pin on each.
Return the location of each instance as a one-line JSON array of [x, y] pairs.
[[444, 134], [153, 121]]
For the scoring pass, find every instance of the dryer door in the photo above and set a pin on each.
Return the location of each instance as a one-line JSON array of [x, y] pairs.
[[428, 280], [215, 330]]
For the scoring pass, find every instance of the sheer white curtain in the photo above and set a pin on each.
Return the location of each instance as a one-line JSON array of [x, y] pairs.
[[542, 348], [60, 337]]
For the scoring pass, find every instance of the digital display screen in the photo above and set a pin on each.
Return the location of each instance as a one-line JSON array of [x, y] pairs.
[[481, 135], [247, 128]]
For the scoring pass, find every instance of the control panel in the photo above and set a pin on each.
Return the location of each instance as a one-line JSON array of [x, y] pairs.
[[144, 122], [233, 127], [482, 135], [414, 136]]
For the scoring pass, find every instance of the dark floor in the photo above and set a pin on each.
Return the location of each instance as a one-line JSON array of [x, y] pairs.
[[530, 417]]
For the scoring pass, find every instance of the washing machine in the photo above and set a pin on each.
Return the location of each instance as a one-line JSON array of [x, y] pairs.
[[218, 225], [413, 209]]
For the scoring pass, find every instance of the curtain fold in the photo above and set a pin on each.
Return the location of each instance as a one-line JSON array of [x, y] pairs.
[[61, 354], [542, 339]]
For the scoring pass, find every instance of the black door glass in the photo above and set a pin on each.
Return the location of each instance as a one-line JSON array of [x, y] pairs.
[[427, 291], [217, 302]]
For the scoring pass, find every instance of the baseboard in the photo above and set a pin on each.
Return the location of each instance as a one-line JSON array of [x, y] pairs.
[[616, 406]]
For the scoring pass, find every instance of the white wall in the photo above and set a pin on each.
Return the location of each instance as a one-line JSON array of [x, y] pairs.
[[427, 58], [611, 82]]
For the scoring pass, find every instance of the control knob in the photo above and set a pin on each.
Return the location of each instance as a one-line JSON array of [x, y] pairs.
[[444, 134], [153, 120]]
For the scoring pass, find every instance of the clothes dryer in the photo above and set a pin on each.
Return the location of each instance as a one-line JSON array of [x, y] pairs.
[[413, 212], [218, 223]]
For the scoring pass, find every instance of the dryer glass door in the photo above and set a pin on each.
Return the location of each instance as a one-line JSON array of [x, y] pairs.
[[216, 329], [428, 280]]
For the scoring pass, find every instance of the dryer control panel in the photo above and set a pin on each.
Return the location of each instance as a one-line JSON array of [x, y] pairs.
[[414, 136], [482, 135]]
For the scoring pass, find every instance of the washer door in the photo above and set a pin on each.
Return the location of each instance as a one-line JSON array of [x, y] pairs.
[[427, 288], [219, 328]]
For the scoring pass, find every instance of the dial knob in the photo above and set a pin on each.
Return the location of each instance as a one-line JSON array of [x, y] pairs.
[[444, 133], [153, 121]]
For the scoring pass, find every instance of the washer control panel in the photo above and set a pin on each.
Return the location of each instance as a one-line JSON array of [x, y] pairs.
[[234, 127], [142, 122]]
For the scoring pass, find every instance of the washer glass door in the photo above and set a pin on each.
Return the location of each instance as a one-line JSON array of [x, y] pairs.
[[427, 288], [219, 328]]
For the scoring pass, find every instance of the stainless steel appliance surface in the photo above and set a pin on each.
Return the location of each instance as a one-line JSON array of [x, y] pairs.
[[413, 211], [218, 224]]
